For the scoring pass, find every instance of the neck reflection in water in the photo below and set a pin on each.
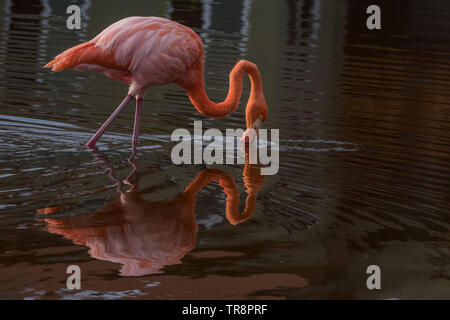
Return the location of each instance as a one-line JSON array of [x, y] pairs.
[[145, 236]]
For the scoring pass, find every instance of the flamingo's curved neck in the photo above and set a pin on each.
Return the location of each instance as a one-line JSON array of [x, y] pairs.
[[253, 182], [204, 105]]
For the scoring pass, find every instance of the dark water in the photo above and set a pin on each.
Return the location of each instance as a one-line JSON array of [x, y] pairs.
[[364, 178]]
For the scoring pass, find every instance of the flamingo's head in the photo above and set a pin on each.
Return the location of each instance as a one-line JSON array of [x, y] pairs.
[[255, 114]]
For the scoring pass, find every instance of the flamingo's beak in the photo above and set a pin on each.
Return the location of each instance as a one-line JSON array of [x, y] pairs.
[[251, 133]]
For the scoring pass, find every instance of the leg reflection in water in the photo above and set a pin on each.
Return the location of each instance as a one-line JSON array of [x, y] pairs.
[[145, 236]]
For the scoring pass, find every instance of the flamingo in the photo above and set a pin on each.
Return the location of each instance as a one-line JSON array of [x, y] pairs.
[[144, 236], [150, 51]]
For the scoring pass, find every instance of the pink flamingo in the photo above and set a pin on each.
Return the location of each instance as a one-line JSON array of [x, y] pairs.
[[144, 236], [149, 51]]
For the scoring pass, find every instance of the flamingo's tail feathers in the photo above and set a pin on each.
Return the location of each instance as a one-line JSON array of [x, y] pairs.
[[72, 57]]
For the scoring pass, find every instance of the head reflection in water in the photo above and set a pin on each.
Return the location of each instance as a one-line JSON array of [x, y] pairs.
[[145, 236]]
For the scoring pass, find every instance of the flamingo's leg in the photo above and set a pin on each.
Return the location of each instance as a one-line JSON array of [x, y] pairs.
[[137, 120], [91, 143]]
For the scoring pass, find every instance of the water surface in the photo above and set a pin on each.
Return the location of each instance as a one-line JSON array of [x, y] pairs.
[[364, 178]]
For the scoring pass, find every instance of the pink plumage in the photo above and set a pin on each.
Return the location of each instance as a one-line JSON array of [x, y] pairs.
[[148, 51], [142, 51]]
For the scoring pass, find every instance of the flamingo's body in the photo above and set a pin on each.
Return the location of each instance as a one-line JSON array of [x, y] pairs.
[[144, 236], [148, 51]]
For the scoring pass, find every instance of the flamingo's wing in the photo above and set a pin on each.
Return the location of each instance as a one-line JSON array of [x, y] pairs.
[[125, 44]]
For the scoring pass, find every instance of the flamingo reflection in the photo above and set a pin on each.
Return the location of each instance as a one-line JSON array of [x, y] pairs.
[[145, 236]]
